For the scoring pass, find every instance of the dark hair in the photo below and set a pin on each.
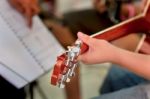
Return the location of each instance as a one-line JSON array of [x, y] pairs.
[[114, 8]]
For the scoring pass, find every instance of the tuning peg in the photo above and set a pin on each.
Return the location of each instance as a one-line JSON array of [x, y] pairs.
[[68, 80], [61, 85]]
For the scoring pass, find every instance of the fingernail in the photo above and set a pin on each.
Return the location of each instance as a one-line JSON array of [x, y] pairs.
[[80, 34]]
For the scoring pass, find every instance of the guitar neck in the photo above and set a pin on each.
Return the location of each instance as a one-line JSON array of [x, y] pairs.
[[125, 28], [137, 24]]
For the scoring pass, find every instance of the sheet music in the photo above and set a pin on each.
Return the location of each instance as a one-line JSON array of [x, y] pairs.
[[26, 53]]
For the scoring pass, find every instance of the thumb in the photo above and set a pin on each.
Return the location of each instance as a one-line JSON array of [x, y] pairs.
[[85, 38]]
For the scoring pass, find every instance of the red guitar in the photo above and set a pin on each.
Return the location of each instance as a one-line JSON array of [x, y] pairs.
[[66, 63]]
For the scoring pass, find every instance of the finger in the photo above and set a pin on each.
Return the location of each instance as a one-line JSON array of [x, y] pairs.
[[85, 38], [35, 9], [28, 16], [80, 58], [35, 6], [84, 58], [16, 5]]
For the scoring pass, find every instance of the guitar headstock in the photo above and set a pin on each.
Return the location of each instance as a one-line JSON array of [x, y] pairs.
[[65, 65]]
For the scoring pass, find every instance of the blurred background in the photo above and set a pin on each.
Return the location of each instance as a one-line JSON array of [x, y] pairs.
[[64, 18], [91, 78]]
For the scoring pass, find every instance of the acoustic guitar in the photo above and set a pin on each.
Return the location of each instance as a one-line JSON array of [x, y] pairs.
[[67, 62]]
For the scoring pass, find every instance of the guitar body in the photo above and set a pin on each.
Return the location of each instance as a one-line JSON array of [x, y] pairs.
[[138, 24]]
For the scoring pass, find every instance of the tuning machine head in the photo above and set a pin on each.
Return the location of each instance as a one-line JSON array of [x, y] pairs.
[[65, 66]]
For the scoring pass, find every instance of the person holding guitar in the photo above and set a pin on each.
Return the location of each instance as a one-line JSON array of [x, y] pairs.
[[112, 12], [101, 51], [125, 78], [126, 10]]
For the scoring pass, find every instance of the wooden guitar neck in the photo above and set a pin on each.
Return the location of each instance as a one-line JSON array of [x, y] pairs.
[[137, 24]]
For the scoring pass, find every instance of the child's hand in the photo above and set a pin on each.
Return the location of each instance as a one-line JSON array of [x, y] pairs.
[[99, 50], [28, 8]]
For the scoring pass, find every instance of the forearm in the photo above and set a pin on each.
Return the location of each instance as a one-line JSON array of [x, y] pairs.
[[102, 51], [128, 42], [137, 63]]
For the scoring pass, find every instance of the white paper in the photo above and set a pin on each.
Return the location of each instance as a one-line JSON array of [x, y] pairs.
[[27, 52]]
